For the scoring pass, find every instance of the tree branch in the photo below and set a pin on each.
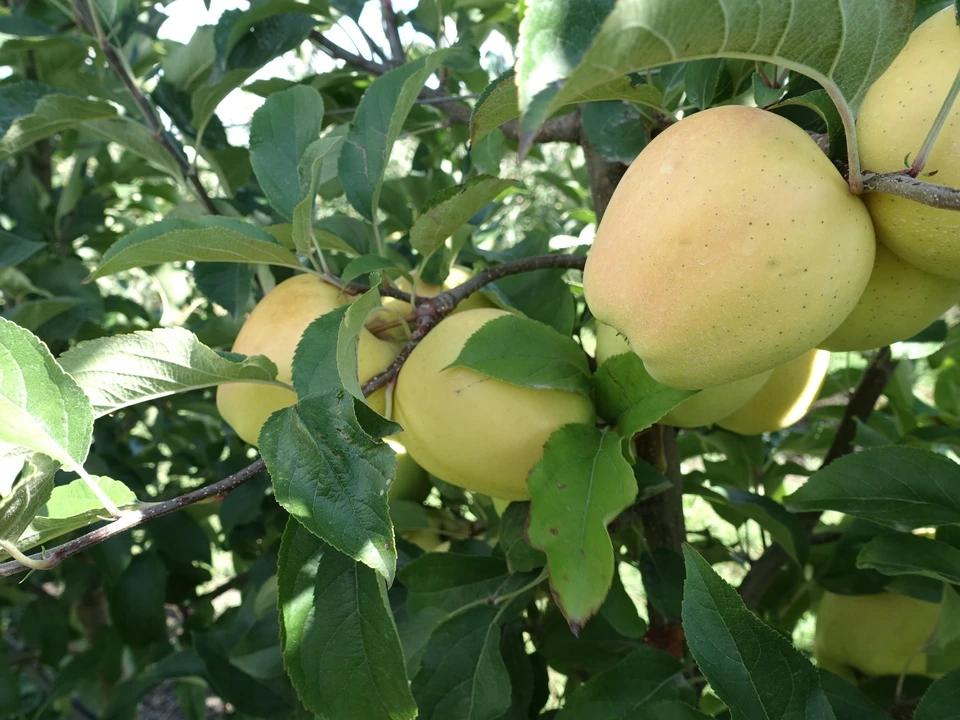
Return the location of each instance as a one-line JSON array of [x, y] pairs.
[[943, 197], [874, 380], [392, 31], [430, 311], [565, 128], [132, 519], [87, 19]]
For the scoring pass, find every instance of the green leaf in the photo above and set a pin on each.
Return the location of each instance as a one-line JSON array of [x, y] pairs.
[[626, 394], [32, 314], [18, 99], [700, 79], [670, 710], [566, 50], [73, 506], [822, 105], [901, 487], [210, 239], [19, 507], [579, 486], [451, 209], [753, 669], [364, 265], [908, 554], [942, 700], [332, 477], [942, 648], [376, 126], [315, 366], [340, 645], [281, 131], [499, 104], [318, 165], [462, 674], [123, 370], [520, 556], [782, 525], [53, 112], [348, 340], [137, 139], [847, 701], [526, 353], [615, 130], [227, 284], [136, 601], [41, 407], [641, 679], [14, 249], [208, 96]]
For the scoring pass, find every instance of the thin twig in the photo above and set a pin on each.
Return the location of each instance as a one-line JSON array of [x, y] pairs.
[[87, 19], [133, 518], [392, 31], [371, 43], [943, 197], [874, 380]]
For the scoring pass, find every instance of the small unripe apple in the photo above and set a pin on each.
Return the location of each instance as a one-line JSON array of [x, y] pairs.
[[469, 429], [704, 408], [900, 301], [784, 398], [894, 120], [732, 245], [274, 329]]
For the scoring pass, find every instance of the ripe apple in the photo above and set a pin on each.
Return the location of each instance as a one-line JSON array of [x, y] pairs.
[[274, 329], [784, 398], [469, 429], [895, 117], [732, 245], [704, 408], [873, 634]]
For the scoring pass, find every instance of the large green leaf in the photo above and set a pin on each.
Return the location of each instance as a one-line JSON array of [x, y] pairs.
[[942, 700], [332, 477], [14, 249], [41, 407], [755, 670], [909, 554], [211, 239], [280, 133], [567, 48], [462, 674], [127, 369], [51, 114], [376, 126], [318, 164], [902, 487], [580, 485], [340, 645]]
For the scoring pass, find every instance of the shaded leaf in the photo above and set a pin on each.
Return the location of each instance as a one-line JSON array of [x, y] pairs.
[[52, 113], [908, 554], [942, 700], [340, 645], [847, 701], [520, 556], [19, 507], [14, 249], [579, 486]]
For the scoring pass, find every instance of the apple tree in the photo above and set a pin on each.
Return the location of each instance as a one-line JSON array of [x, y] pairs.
[[511, 359]]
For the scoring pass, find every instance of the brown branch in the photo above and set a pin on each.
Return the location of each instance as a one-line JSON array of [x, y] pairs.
[[565, 128], [430, 311], [392, 31], [132, 519], [943, 197], [86, 19], [874, 380]]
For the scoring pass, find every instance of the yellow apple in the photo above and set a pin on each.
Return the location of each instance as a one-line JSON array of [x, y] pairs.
[[274, 329], [873, 634], [784, 398], [732, 245], [469, 429], [894, 119], [704, 408], [411, 481], [900, 301], [429, 539]]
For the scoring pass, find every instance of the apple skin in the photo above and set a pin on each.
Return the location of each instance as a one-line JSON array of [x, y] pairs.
[[704, 408], [784, 399], [274, 329], [894, 120], [872, 634], [731, 245], [900, 301], [471, 430]]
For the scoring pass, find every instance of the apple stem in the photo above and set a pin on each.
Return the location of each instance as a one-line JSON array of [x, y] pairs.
[[920, 161]]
